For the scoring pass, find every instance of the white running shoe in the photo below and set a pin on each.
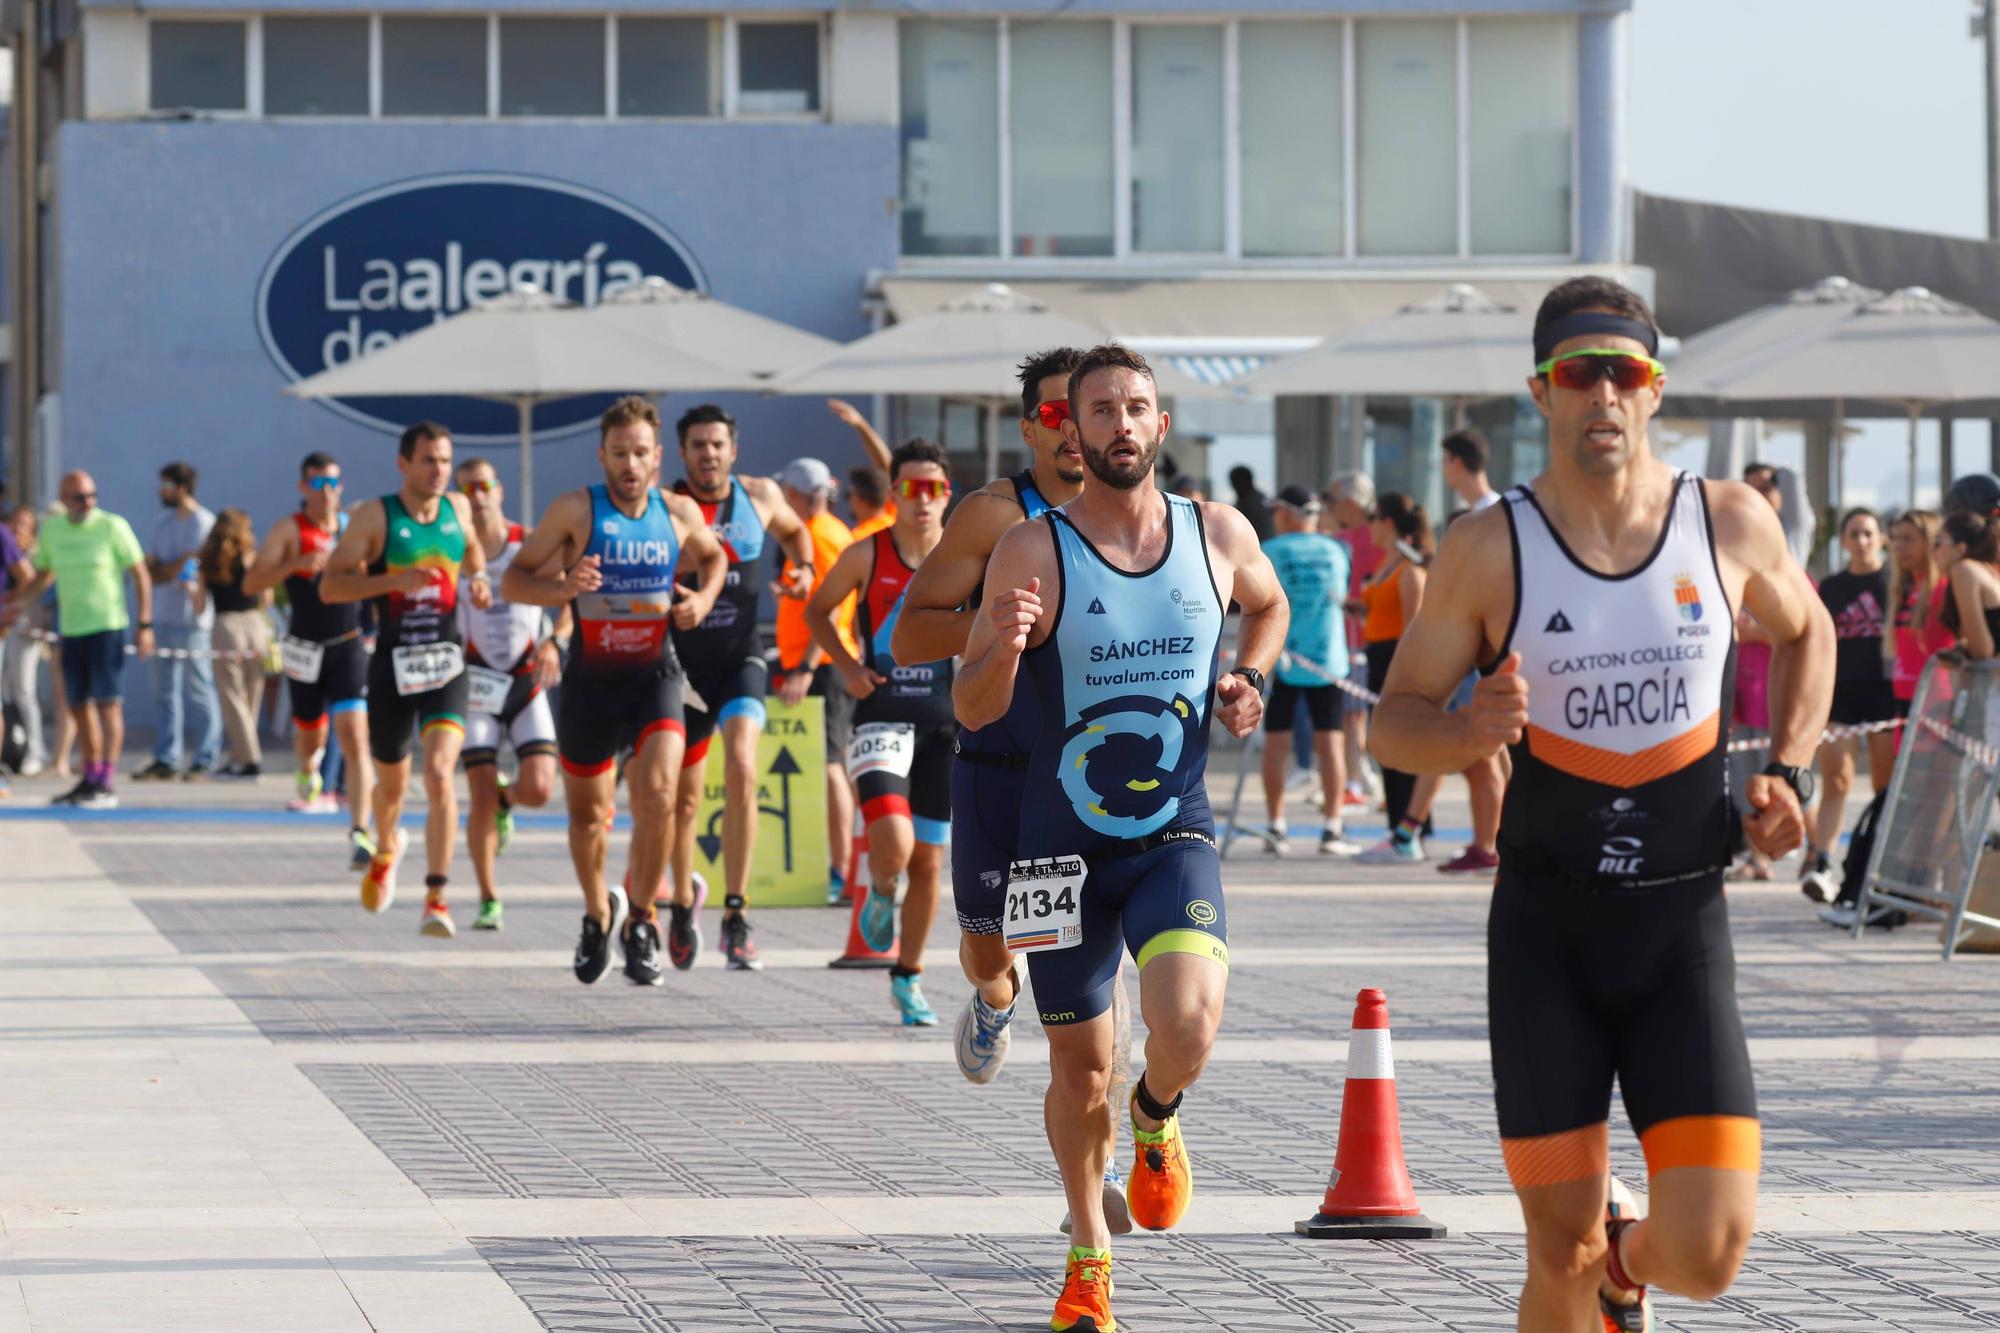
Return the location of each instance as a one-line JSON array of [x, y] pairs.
[[1390, 852]]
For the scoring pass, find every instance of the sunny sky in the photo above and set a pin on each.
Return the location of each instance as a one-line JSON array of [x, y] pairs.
[[1865, 110]]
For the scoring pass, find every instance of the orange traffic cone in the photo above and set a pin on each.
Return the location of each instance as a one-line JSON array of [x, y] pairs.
[[1369, 1196], [857, 953], [857, 858]]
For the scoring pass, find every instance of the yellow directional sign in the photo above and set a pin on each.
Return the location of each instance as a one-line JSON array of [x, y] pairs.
[[788, 864]]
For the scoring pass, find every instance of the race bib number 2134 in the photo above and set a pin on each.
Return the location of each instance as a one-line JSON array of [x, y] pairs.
[[1045, 904]]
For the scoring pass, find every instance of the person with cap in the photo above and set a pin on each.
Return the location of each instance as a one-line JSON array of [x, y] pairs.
[[1312, 569], [804, 671], [1975, 492]]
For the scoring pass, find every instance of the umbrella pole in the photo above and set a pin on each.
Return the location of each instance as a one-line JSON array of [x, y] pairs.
[[992, 439], [526, 408], [1915, 408]]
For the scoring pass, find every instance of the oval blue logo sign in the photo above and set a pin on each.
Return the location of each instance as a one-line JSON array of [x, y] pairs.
[[386, 263]]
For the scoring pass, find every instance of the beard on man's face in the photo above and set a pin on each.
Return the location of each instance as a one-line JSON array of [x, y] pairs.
[[1126, 471]]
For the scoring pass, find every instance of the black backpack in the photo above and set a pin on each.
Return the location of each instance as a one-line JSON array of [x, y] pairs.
[[1860, 846], [13, 739]]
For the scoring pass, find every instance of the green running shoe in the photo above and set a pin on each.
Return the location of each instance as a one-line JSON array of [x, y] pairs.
[[503, 818], [489, 915]]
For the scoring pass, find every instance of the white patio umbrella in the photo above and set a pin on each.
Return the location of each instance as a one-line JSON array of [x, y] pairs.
[[523, 348], [698, 325], [1460, 345], [1911, 348], [967, 348]]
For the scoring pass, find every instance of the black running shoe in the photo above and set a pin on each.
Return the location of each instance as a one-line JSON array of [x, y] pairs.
[[593, 946], [74, 794], [641, 942], [737, 947], [683, 937]]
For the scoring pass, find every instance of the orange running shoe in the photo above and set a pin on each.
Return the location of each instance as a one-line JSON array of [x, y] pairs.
[[1085, 1303], [1161, 1184], [378, 883]]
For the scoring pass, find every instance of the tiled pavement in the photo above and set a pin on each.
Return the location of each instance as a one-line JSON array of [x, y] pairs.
[[234, 1102]]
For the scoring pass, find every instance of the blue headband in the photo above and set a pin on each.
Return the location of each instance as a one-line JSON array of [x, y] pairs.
[[1585, 322]]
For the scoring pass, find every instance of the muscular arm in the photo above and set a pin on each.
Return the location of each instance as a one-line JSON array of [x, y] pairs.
[[782, 521], [1777, 592], [538, 573], [274, 558], [1260, 636], [849, 572], [872, 444], [1021, 579], [142, 591], [347, 578], [701, 551], [1453, 631], [936, 620]]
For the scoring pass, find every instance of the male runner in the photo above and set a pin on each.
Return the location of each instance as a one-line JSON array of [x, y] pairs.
[[725, 664], [325, 657], [900, 756], [619, 544], [1114, 603], [405, 552], [1602, 598], [512, 655], [1312, 569]]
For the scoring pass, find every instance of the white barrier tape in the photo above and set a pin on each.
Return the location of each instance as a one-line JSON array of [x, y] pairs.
[[1742, 746], [190, 654]]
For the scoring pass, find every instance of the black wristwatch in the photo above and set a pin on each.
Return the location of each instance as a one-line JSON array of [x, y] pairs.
[[1801, 780], [1251, 674]]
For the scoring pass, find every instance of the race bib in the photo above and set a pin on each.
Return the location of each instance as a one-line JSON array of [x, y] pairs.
[[882, 747], [423, 667], [302, 659], [486, 689], [1045, 904]]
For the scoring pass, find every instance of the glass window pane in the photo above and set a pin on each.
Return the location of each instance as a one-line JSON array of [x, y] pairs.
[[667, 67], [433, 67], [1406, 73], [951, 137], [315, 67], [1290, 78], [1523, 106], [777, 68], [551, 67], [1177, 138], [197, 66], [1060, 89]]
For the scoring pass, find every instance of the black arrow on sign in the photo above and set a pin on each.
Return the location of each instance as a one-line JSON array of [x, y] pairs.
[[785, 768]]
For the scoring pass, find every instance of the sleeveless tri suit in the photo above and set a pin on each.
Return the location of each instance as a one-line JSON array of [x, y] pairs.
[[1608, 937], [622, 682], [723, 655], [326, 662], [1124, 684], [900, 755], [417, 675], [503, 697]]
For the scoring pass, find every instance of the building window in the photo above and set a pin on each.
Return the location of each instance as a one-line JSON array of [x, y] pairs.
[[1406, 74], [315, 67], [1177, 127], [434, 66], [1294, 192], [667, 67], [551, 67], [777, 69], [1523, 107], [950, 91], [198, 66], [1061, 122]]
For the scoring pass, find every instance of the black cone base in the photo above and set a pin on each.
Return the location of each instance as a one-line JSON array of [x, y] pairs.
[[884, 963], [1415, 1227]]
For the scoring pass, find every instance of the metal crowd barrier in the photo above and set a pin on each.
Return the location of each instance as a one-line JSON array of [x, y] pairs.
[[1940, 809]]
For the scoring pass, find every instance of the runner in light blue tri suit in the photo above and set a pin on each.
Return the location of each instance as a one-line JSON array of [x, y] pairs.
[[1312, 568]]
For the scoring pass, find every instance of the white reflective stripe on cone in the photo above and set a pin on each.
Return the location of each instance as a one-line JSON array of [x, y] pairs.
[[1368, 1054]]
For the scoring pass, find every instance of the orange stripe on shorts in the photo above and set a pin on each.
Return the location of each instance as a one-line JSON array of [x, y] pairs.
[[1553, 1159], [1725, 1142]]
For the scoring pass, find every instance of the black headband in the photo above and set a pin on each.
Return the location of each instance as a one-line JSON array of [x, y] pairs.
[[1593, 321]]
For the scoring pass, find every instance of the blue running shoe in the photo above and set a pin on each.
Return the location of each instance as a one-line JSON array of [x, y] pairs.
[[983, 1039], [908, 992], [878, 920], [836, 887]]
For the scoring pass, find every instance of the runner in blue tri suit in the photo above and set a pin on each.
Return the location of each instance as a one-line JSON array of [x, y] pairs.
[[1312, 569], [1115, 604], [620, 545], [724, 658]]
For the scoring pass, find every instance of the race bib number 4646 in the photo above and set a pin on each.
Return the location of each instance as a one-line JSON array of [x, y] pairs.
[[423, 667], [1045, 904]]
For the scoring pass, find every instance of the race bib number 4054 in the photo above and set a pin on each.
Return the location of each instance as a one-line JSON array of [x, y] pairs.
[[882, 747], [423, 667], [1045, 904]]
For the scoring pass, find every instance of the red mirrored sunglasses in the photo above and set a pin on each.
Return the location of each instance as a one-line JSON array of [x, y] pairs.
[[1053, 413]]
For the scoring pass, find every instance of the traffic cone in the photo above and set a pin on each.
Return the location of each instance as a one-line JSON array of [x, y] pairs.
[[1369, 1195], [857, 857], [857, 953]]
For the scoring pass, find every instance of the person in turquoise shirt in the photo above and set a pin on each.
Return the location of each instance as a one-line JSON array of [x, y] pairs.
[[1312, 569], [88, 557]]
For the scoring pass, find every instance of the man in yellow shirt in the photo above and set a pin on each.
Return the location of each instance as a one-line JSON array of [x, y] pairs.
[[803, 670]]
